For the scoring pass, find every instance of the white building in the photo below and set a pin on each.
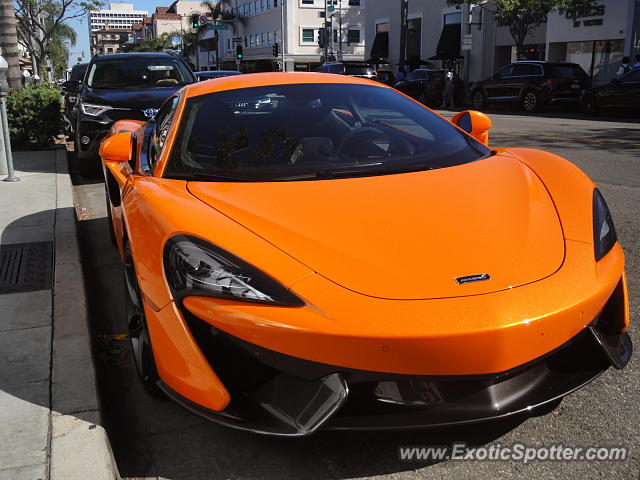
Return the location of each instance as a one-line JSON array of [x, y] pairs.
[[261, 25], [119, 16]]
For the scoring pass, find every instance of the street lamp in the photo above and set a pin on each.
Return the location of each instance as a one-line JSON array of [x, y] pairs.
[[5, 152]]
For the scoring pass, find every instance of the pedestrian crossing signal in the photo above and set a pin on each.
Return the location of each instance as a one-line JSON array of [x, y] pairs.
[[239, 54]]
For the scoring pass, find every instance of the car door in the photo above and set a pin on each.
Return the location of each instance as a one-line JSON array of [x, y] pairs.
[[495, 87], [147, 147], [623, 93]]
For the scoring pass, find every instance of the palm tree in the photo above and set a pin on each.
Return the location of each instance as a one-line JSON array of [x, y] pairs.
[[9, 41], [63, 38], [220, 11]]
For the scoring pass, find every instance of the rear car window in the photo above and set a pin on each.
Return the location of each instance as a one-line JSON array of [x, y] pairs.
[[565, 71], [359, 70], [293, 132], [77, 72]]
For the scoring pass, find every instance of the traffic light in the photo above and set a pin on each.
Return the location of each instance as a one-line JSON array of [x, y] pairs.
[[322, 37], [239, 54], [195, 21], [276, 49]]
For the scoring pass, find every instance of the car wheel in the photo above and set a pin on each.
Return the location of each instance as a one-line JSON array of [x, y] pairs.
[[530, 101], [138, 328], [112, 232], [590, 105], [478, 100]]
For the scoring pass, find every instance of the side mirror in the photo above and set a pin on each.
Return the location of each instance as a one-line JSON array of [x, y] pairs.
[[116, 148], [614, 81], [477, 124]]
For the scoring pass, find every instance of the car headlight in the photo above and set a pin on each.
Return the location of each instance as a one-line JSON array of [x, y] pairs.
[[94, 110], [604, 233], [196, 268]]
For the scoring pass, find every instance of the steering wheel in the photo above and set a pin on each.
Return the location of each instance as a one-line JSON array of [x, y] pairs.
[[354, 132]]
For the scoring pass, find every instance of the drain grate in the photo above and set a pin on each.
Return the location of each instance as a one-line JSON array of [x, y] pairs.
[[26, 267]]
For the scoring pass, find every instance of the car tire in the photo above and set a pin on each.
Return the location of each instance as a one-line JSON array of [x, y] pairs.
[[112, 232], [478, 100], [530, 101], [139, 336], [590, 106]]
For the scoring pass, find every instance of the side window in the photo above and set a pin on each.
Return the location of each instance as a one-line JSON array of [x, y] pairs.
[[337, 68], [162, 123], [526, 69], [505, 72], [631, 77]]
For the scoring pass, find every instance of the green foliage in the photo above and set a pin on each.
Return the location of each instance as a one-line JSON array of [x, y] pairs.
[[35, 116], [155, 44]]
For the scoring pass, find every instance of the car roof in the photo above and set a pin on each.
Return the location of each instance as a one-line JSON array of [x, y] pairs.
[[234, 82]]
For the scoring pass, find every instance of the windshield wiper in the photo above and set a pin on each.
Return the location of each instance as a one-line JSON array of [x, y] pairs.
[[211, 177]]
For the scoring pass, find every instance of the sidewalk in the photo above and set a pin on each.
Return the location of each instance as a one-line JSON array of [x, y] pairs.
[[50, 425]]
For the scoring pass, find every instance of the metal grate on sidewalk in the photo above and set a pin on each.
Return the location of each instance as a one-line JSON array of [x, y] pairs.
[[26, 267]]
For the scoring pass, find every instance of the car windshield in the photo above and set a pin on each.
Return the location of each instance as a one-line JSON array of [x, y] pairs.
[[307, 132], [136, 72]]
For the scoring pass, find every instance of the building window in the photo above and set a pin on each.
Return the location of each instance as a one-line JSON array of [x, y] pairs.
[[268, 38], [452, 18], [246, 44], [353, 36], [335, 36], [262, 39], [228, 44], [268, 4], [414, 37], [308, 35], [307, 2], [251, 40], [275, 3], [255, 6], [354, 3], [262, 5]]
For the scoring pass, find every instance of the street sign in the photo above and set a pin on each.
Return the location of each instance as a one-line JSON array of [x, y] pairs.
[[217, 27], [236, 39], [467, 40]]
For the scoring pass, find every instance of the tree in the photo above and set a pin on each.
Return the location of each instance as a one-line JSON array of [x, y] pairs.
[[38, 21], [9, 42], [155, 44], [524, 16], [63, 39]]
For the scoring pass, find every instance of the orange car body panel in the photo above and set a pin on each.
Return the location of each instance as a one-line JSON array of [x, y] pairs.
[[306, 236]]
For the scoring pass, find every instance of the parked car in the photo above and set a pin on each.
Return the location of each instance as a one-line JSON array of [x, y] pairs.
[[70, 89], [209, 74], [351, 69], [123, 85], [257, 297], [386, 76], [424, 85], [532, 84], [621, 93]]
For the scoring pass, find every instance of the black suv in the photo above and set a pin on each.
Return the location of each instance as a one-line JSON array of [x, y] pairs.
[[424, 85], [122, 86], [351, 69], [532, 84]]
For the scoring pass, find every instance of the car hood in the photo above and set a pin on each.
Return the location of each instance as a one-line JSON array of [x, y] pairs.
[[130, 98], [411, 235]]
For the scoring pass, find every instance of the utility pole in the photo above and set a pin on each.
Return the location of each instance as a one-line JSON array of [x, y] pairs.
[[466, 30], [235, 33], [404, 14], [340, 52], [324, 26], [282, 41]]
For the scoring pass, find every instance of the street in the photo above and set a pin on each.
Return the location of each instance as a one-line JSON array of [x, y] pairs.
[[154, 437]]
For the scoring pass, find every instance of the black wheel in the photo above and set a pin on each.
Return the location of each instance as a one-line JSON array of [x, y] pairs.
[[530, 101], [478, 100], [112, 232], [138, 329], [590, 105]]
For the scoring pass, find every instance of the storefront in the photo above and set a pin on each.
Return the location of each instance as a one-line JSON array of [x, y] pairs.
[[593, 37]]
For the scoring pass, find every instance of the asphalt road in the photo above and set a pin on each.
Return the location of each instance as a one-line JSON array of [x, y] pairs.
[[153, 437]]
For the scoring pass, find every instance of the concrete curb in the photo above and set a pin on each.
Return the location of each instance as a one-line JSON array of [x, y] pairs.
[[79, 445]]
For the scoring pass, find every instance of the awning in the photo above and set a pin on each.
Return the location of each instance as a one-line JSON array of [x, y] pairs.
[[449, 43], [380, 47]]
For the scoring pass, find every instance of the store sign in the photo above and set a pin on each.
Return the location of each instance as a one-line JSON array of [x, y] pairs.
[[582, 16], [535, 18]]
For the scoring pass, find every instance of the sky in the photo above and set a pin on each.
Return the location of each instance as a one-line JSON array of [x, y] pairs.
[[83, 31]]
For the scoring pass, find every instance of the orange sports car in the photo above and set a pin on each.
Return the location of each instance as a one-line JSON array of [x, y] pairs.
[[306, 251]]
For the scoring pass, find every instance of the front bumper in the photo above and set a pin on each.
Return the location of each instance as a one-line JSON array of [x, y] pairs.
[[275, 394], [95, 128]]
